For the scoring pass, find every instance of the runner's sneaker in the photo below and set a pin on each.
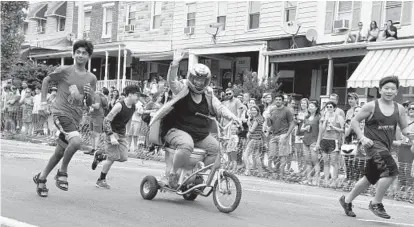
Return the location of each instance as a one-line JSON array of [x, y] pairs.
[[378, 209], [347, 207], [102, 184], [173, 180]]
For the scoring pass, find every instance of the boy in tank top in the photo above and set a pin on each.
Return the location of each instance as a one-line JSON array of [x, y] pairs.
[[381, 118], [115, 129]]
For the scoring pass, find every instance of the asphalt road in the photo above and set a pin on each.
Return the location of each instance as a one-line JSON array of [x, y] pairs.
[[264, 203]]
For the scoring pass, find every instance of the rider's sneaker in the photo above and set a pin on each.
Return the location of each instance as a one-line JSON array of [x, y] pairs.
[[347, 207], [173, 180], [102, 184], [378, 209]]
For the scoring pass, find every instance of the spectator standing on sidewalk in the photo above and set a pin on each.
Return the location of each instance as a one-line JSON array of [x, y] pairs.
[[114, 99], [281, 124], [255, 140], [39, 118], [27, 110], [134, 125], [331, 128], [310, 130], [50, 124], [97, 118]]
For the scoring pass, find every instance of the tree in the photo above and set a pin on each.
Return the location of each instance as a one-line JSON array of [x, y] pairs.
[[33, 73], [12, 37], [255, 89]]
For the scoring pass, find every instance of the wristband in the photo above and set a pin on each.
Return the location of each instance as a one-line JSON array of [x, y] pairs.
[[44, 103]]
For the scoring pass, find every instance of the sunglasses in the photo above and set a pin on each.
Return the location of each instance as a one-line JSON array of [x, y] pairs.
[[411, 108]]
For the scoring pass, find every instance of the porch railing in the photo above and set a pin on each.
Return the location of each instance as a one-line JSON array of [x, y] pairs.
[[109, 83]]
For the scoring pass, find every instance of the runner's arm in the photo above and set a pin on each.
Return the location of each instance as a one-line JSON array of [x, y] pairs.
[[110, 117], [363, 114]]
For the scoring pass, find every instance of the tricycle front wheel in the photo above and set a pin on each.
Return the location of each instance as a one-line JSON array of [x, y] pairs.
[[229, 187]]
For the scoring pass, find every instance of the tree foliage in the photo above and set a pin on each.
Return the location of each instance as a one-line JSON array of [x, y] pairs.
[[33, 73], [256, 88], [12, 22]]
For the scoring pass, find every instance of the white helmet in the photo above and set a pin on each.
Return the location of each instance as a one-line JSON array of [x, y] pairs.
[[198, 71]]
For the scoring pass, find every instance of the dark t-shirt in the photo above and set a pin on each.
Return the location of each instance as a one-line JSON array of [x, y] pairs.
[[393, 29], [69, 96], [183, 118], [311, 136], [280, 120]]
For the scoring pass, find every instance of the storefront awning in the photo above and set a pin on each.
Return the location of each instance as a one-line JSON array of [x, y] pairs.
[[38, 12], [385, 59], [56, 9]]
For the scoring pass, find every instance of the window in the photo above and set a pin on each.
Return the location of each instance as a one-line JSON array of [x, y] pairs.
[[397, 11], [60, 23], [131, 14], [87, 22], [344, 10], [221, 14], [41, 26], [393, 10], [290, 10], [191, 14], [254, 14], [156, 15], [107, 31]]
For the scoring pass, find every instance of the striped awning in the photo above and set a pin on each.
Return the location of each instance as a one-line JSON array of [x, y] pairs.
[[57, 9], [37, 11], [379, 63]]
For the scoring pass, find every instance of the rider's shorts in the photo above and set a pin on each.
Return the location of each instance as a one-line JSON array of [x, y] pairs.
[[118, 152]]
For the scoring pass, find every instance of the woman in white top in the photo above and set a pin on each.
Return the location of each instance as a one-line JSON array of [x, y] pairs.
[[373, 32]]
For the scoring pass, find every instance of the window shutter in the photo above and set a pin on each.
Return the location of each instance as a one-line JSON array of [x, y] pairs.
[[406, 14], [377, 12], [356, 15], [329, 16]]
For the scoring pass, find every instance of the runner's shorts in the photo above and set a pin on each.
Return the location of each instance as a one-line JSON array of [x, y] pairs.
[[381, 163], [117, 152], [67, 127]]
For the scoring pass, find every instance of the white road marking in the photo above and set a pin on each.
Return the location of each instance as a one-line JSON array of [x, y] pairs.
[[14, 223], [387, 222], [313, 195]]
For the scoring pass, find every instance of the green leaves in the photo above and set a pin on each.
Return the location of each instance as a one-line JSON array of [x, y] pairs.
[[12, 22]]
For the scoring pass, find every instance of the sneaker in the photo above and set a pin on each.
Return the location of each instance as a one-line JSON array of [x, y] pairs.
[[173, 180], [102, 184], [347, 207], [97, 158], [91, 152], [378, 209]]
